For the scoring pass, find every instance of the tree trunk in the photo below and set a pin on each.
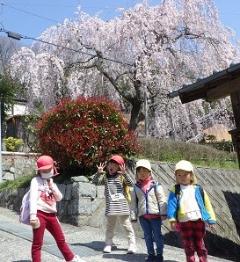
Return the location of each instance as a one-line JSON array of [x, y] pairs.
[[135, 113]]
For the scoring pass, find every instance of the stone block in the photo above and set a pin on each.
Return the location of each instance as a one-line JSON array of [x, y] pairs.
[[100, 191], [72, 207], [62, 188], [98, 204], [12, 170], [68, 192], [80, 220], [8, 176], [81, 206], [85, 206], [80, 179], [81, 189]]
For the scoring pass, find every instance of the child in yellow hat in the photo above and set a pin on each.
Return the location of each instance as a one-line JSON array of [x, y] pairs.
[[189, 208]]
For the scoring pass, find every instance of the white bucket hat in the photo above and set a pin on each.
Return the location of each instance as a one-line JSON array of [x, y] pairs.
[[184, 165], [144, 163]]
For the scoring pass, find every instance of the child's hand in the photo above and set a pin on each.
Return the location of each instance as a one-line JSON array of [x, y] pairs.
[[101, 167], [134, 220], [50, 183], [173, 225], [211, 227], [133, 216], [163, 217], [35, 223], [122, 170]]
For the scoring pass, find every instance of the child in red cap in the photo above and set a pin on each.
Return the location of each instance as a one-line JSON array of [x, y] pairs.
[[116, 203], [44, 194]]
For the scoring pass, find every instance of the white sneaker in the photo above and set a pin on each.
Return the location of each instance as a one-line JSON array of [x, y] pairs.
[[107, 249], [132, 249], [77, 259]]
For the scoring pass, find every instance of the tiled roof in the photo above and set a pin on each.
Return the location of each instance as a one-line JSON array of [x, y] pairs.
[[200, 88]]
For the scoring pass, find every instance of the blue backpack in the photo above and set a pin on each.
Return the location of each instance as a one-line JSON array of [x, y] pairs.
[[177, 194]]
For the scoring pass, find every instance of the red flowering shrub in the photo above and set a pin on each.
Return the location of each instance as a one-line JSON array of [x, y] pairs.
[[84, 132]]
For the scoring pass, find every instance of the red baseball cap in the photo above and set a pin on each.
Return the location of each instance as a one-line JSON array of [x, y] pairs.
[[45, 162], [118, 159]]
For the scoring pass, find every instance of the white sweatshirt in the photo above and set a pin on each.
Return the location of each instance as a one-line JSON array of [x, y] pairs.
[[188, 200], [42, 197]]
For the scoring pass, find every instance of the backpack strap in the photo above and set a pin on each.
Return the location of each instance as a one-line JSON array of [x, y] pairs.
[[202, 193], [134, 188], [126, 189], [155, 191], [177, 194]]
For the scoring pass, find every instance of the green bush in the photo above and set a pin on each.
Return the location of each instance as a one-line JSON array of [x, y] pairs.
[[23, 182], [13, 144], [172, 151], [29, 130], [83, 132]]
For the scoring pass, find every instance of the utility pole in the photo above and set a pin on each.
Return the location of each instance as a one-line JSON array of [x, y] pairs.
[[146, 112], [102, 86], [0, 139], [172, 131], [14, 36]]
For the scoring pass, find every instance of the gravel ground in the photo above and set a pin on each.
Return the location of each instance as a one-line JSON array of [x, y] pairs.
[[87, 242]]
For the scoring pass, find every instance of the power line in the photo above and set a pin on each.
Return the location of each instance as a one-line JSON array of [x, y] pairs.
[[91, 6], [18, 36], [13, 34], [29, 13], [51, 19]]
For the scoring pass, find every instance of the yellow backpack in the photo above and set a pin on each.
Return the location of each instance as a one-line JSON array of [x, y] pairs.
[[126, 189]]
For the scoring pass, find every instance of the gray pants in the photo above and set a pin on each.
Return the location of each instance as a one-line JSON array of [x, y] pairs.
[[110, 227]]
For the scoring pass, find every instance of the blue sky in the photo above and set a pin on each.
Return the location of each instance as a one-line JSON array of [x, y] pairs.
[[31, 17]]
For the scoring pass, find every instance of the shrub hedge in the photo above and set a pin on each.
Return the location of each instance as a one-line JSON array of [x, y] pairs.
[[83, 132], [167, 150]]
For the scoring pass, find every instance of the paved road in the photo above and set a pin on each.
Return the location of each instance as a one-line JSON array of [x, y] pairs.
[[87, 242]]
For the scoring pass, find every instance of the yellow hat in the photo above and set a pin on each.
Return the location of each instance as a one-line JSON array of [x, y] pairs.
[[184, 165], [188, 167]]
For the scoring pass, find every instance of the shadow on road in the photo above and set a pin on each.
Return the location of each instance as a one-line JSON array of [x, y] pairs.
[[99, 245], [217, 246], [131, 258], [96, 245], [21, 260]]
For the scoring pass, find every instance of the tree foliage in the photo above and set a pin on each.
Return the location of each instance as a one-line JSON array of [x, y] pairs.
[[83, 132], [150, 50], [7, 48], [12, 143], [9, 89]]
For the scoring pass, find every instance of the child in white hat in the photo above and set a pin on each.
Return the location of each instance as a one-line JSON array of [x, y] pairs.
[[189, 208], [149, 205]]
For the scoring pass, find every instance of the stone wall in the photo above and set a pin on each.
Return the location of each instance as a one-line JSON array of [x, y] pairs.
[[223, 188], [17, 164], [83, 204]]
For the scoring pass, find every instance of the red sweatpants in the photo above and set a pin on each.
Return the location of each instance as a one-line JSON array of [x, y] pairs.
[[192, 233], [51, 223]]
